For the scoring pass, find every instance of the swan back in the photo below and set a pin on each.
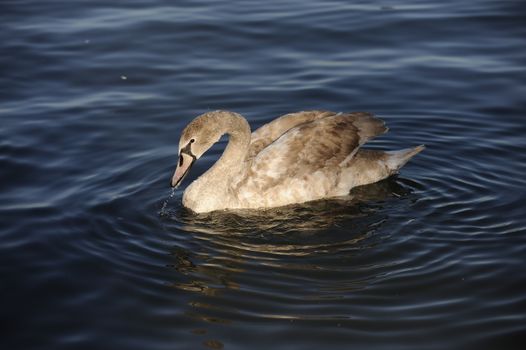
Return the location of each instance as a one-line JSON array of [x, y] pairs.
[[307, 161]]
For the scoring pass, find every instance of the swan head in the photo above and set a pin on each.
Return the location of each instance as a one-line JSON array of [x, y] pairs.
[[196, 139]]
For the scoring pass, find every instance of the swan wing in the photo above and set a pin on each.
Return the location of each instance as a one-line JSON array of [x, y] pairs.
[[324, 143], [271, 131]]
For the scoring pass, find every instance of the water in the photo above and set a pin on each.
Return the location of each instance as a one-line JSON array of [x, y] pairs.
[[96, 254]]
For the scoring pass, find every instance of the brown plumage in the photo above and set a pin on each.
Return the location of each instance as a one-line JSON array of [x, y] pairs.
[[295, 158]]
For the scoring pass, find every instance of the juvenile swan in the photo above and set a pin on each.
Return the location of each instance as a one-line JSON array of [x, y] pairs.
[[296, 158]]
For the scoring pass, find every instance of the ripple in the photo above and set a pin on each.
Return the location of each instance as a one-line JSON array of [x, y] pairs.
[[96, 252]]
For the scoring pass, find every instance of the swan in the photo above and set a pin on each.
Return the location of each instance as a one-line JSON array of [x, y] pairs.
[[295, 158]]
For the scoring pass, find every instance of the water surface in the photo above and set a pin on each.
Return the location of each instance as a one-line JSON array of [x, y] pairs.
[[95, 254]]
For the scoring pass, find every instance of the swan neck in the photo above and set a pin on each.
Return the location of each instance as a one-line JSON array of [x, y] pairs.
[[238, 140], [232, 160]]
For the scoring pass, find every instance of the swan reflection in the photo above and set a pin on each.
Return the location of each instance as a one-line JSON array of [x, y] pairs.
[[246, 256]]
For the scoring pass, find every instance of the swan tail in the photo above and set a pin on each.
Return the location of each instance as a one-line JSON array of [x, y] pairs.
[[396, 159]]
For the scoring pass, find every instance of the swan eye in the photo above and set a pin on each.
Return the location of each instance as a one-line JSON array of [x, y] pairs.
[[192, 140]]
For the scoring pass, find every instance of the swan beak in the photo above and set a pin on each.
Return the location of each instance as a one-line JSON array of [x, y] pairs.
[[185, 163]]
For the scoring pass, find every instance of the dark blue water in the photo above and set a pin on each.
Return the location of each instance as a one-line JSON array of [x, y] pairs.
[[95, 254]]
